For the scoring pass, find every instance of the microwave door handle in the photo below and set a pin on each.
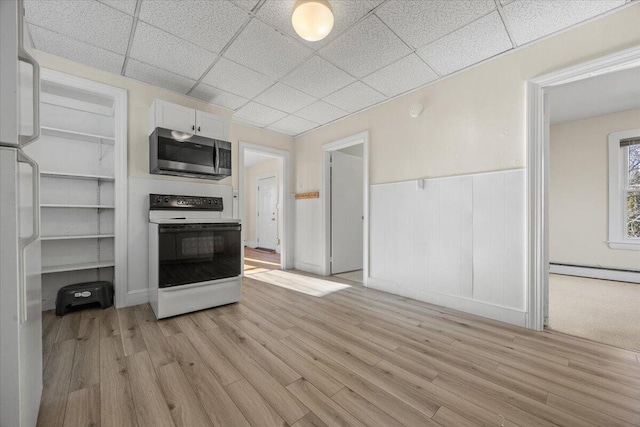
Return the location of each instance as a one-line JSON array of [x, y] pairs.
[[24, 56], [24, 242], [217, 171]]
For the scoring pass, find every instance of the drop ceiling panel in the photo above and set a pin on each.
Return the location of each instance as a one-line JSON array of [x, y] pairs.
[[354, 97], [422, 22], [208, 24], [318, 77], [406, 74], [157, 77], [219, 97], [66, 47], [365, 48], [345, 12], [320, 112], [265, 50], [284, 98], [259, 114], [87, 21], [530, 20], [479, 40], [292, 125], [246, 4], [126, 6], [235, 78], [166, 51]]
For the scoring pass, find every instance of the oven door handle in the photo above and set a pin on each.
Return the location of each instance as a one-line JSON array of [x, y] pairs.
[[179, 229]]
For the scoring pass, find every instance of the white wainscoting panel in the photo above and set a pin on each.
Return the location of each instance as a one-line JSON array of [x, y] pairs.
[[309, 245], [458, 241], [139, 190]]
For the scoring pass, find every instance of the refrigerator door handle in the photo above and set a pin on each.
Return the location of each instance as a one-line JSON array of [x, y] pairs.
[[24, 56], [23, 158], [24, 242]]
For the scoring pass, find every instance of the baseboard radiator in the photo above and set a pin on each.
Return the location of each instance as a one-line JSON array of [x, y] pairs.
[[617, 275]]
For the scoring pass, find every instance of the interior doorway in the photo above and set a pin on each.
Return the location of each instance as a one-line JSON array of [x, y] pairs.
[[345, 200], [263, 184], [584, 134]]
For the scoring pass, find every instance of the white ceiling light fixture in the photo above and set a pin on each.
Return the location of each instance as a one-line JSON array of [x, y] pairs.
[[312, 19]]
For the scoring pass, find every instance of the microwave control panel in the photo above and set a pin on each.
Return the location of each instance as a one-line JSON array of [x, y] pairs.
[[164, 201]]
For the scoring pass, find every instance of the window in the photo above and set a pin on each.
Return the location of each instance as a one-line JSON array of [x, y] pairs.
[[624, 190]]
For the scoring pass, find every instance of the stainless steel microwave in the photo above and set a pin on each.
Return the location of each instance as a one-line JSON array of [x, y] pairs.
[[181, 154]]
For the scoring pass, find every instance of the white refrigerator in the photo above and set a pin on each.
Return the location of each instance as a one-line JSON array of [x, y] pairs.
[[20, 286]]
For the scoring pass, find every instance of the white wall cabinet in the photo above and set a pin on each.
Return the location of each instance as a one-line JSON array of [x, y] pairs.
[[177, 117]]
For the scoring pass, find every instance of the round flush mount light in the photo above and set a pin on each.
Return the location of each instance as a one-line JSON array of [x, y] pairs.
[[180, 136], [312, 19]]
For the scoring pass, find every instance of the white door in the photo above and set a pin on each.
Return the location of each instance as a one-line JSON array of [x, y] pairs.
[[268, 213], [347, 195], [211, 126], [175, 117]]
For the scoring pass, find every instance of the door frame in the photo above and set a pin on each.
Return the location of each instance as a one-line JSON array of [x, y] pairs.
[[274, 174], [538, 172], [325, 194], [284, 187]]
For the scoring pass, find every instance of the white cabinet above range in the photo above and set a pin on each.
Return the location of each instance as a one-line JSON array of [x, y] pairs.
[[184, 119]]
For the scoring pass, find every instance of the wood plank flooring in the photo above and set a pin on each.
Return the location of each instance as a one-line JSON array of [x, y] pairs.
[[357, 357]]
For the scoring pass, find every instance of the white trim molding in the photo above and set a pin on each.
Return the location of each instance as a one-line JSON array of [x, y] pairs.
[[596, 272], [325, 194], [284, 187], [538, 172], [617, 192]]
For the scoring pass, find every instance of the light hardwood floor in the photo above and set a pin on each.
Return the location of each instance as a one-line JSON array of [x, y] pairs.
[[355, 357]]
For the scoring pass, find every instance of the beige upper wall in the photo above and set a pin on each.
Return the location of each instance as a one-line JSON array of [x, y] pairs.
[[578, 192], [473, 121], [140, 97]]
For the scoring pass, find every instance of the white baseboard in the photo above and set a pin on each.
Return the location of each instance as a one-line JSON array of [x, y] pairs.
[[595, 273], [137, 297], [309, 268], [479, 308], [251, 244], [48, 304]]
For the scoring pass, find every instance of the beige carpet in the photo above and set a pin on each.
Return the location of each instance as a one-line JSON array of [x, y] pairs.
[[599, 310], [354, 276]]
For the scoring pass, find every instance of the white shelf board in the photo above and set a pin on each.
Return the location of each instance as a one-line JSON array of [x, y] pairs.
[[77, 267], [80, 136], [52, 205], [49, 174], [78, 237]]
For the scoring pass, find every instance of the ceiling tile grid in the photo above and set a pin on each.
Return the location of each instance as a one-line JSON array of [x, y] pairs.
[[208, 24], [530, 20], [158, 77], [321, 112], [355, 97], [402, 76], [422, 22], [365, 48], [259, 114], [245, 56], [171, 53], [482, 39], [266, 50], [318, 77], [292, 125], [86, 21], [219, 97], [284, 98], [235, 78], [60, 45]]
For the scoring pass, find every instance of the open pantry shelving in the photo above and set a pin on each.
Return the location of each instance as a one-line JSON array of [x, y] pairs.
[[81, 184]]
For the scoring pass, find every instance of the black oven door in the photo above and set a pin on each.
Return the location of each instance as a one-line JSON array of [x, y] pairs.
[[193, 253]]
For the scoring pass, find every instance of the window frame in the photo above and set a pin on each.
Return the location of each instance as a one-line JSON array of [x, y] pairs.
[[618, 190]]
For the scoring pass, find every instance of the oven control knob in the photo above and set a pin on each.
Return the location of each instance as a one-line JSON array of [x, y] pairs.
[[166, 200], [209, 201]]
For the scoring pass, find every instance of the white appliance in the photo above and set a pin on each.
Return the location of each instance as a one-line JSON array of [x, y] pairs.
[[20, 301], [195, 255]]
